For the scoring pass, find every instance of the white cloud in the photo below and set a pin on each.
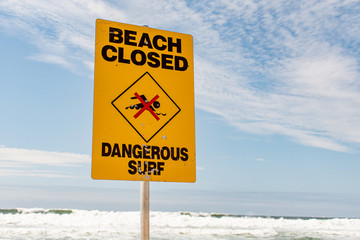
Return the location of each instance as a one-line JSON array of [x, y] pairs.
[[29, 162], [268, 67], [260, 160], [27, 173], [298, 79], [16, 162], [63, 31], [30, 156]]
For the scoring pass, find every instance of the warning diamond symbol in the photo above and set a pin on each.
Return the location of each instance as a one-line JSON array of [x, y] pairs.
[[146, 106]]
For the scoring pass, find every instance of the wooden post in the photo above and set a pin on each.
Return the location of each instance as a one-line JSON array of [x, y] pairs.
[[144, 210]]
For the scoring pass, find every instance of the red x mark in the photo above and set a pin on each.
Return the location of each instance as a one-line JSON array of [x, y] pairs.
[[147, 106]]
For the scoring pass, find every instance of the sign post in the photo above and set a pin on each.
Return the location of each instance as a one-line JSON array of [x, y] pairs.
[[144, 115], [144, 210]]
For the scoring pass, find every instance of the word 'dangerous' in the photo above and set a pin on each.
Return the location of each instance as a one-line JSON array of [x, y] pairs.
[[144, 152]]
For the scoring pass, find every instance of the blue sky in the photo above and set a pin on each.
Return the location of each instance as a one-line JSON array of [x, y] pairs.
[[277, 101]]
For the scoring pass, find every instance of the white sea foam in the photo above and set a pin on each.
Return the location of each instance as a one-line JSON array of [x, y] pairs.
[[82, 224]]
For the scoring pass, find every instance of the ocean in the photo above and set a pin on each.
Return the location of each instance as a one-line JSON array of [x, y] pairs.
[[67, 224]]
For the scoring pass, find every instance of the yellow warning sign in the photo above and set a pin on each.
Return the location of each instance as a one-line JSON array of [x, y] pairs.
[[143, 120]]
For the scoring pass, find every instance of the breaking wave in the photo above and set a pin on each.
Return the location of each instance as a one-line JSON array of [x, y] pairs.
[[61, 224]]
